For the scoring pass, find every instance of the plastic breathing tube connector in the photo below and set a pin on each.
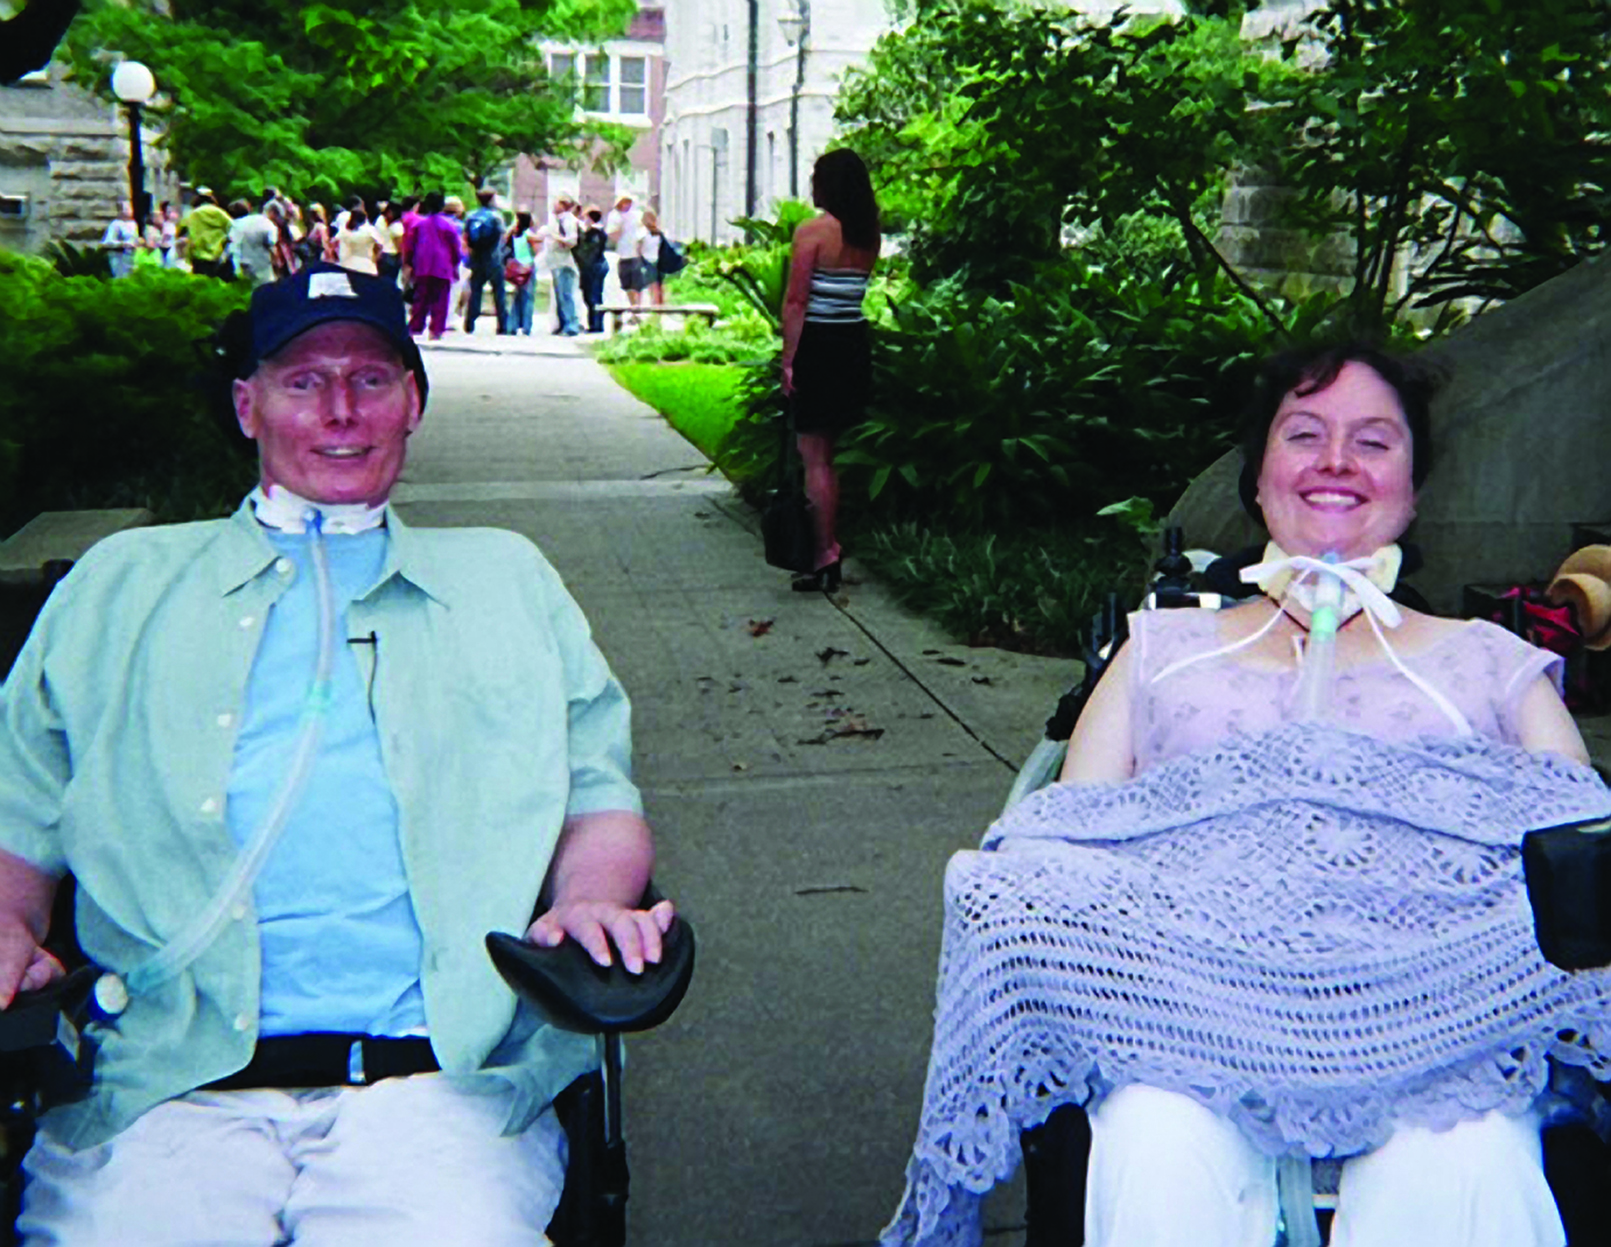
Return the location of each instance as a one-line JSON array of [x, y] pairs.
[[199, 935], [1320, 650]]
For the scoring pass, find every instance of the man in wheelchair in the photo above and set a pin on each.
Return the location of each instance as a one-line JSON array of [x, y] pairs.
[[298, 762], [1275, 909]]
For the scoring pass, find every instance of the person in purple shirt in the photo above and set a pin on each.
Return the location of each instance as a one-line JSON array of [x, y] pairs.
[[433, 252]]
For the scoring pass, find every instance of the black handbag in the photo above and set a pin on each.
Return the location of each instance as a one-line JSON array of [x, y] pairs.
[[787, 529], [1568, 873]]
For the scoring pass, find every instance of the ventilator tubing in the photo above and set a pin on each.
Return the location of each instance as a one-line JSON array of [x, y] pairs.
[[199, 935], [1320, 649]]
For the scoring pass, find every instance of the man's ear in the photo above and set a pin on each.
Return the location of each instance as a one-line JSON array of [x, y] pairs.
[[415, 412], [245, 408]]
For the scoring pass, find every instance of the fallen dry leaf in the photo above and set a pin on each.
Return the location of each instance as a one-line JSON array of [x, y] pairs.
[[827, 655], [760, 627]]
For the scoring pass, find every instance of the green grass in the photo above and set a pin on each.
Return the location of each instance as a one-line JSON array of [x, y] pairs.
[[700, 401]]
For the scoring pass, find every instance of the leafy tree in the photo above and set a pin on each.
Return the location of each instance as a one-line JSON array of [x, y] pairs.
[[1023, 123], [1473, 136], [328, 95], [1462, 147]]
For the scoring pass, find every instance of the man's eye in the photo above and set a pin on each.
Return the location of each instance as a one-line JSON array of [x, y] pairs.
[[303, 383], [1372, 443], [1301, 435], [373, 380]]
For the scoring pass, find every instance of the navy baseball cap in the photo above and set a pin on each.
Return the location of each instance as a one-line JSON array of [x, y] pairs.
[[321, 293]]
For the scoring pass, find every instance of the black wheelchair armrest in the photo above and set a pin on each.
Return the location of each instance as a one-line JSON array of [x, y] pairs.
[[34, 1018], [45, 1056], [578, 994], [1568, 873]]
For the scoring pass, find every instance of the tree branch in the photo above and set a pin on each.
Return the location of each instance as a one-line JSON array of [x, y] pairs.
[[1237, 280]]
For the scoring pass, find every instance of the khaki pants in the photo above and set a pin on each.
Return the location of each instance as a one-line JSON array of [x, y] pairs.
[[405, 1161]]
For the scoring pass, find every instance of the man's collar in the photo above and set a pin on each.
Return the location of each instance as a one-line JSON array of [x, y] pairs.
[[249, 552]]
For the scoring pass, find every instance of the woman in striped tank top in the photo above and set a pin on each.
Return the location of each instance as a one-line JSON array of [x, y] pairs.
[[827, 359]]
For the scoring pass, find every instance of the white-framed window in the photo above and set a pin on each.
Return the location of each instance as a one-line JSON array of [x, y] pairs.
[[609, 83], [633, 100], [596, 82]]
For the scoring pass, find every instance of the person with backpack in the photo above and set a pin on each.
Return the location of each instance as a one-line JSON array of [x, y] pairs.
[[592, 268], [649, 258], [483, 236]]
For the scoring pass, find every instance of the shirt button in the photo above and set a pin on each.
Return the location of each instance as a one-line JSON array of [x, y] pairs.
[[284, 566], [210, 806], [242, 1022], [225, 719], [238, 911], [247, 621]]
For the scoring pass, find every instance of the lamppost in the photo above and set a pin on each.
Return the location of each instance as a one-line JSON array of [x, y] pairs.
[[133, 84], [795, 22]]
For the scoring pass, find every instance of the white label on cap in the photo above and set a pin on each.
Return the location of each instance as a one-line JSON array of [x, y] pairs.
[[330, 286]]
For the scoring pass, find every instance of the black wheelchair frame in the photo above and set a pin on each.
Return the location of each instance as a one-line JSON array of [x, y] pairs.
[[47, 1048], [1056, 1154]]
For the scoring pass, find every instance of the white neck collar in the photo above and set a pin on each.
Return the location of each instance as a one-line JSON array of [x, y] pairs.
[[278, 508], [1364, 583]]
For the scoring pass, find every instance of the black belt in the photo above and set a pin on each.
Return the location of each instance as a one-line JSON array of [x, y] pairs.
[[329, 1060]]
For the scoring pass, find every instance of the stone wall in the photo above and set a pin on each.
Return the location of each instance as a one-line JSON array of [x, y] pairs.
[[67, 152], [1289, 261], [1519, 438]]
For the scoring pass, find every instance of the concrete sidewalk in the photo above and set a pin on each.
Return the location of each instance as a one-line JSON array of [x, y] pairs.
[[809, 765]]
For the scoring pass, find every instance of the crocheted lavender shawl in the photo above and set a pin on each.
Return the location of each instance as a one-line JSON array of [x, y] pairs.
[[1315, 933]]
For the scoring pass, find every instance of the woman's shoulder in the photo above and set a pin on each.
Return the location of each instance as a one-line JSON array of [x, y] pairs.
[[821, 225], [1159, 637]]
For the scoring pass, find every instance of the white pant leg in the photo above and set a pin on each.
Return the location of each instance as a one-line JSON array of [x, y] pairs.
[[1167, 1172], [419, 1161], [1480, 1184], [189, 1173]]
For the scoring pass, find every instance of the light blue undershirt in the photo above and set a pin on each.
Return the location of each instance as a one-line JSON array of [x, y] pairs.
[[341, 945]]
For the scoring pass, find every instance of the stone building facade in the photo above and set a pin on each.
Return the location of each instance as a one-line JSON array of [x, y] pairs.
[[64, 163], [708, 175]]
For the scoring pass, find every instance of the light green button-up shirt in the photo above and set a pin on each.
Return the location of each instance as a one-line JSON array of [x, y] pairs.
[[497, 718]]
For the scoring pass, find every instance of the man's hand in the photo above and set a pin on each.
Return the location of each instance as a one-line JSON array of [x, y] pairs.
[[595, 925], [26, 893], [24, 966]]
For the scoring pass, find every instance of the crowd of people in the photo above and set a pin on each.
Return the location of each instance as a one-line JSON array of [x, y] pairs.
[[444, 257]]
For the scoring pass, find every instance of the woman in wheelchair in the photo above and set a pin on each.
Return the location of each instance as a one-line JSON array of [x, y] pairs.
[[1275, 908]]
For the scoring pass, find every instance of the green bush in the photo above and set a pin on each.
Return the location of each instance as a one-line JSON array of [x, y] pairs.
[[1033, 589], [105, 402], [744, 338], [1080, 388]]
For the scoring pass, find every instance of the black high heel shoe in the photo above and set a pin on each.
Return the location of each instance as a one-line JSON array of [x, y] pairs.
[[824, 579]]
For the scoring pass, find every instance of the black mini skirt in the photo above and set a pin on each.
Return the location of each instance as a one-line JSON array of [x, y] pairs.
[[833, 376]]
